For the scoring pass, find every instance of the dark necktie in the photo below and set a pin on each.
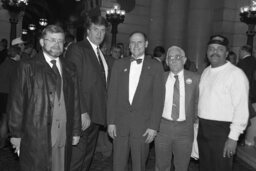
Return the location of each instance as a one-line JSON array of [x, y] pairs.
[[137, 60], [176, 99], [101, 63], [56, 71]]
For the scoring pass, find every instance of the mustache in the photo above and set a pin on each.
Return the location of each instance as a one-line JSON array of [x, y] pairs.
[[215, 54]]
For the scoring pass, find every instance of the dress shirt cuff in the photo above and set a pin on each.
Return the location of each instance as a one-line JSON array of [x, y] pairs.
[[233, 135]]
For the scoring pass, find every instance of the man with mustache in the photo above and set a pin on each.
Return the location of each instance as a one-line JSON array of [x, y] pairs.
[[222, 109], [44, 113]]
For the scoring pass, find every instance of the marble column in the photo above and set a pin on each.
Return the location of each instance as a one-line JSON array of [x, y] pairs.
[[176, 23], [199, 28], [156, 25]]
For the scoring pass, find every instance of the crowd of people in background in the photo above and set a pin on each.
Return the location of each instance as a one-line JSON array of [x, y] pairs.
[[60, 103]]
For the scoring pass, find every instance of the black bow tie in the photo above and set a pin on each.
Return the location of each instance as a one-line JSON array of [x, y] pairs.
[[137, 60]]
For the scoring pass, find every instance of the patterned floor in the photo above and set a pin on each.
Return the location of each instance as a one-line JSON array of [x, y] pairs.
[[105, 164], [9, 162]]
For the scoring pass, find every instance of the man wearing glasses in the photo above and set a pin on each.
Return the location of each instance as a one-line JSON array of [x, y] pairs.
[[44, 112], [176, 132]]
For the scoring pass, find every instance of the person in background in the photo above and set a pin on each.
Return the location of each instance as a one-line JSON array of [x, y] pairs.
[[69, 39], [3, 50], [115, 52], [7, 71], [222, 108], [29, 50], [18, 42], [190, 66], [121, 45], [43, 110], [176, 134], [232, 58], [134, 105], [93, 74], [247, 63], [159, 55]]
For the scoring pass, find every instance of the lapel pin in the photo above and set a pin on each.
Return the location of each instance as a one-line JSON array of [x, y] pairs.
[[125, 70]]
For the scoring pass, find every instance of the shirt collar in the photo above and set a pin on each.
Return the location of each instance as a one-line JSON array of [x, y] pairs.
[[92, 44], [180, 74], [141, 57], [246, 56], [48, 58]]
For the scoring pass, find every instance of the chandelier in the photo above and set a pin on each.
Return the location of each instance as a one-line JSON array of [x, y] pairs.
[[248, 13], [15, 5], [43, 22]]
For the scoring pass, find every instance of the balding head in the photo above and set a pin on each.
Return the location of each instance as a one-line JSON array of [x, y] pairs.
[[175, 59]]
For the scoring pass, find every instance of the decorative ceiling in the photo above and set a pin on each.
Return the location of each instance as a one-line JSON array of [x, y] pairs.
[[53, 10]]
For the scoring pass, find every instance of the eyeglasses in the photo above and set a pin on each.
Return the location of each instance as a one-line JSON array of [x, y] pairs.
[[176, 57], [55, 41]]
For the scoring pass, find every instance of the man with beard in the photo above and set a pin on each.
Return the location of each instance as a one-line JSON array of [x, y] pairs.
[[222, 109], [44, 115]]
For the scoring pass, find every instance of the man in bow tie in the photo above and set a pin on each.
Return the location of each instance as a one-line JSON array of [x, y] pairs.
[[134, 106], [176, 132]]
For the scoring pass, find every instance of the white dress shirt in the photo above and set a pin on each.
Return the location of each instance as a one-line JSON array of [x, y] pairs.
[[168, 103], [134, 77], [105, 65], [48, 60], [223, 96]]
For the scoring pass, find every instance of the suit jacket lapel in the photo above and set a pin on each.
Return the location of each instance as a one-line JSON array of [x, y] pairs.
[[142, 78], [187, 92], [64, 76], [92, 55], [126, 70]]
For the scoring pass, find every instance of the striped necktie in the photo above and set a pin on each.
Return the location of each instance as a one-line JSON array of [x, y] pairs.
[[176, 99]]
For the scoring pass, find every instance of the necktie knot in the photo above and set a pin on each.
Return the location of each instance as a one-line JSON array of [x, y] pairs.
[[176, 77], [53, 62], [135, 59]]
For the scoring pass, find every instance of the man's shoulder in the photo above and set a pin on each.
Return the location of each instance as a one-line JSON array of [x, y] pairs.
[[81, 44], [192, 74]]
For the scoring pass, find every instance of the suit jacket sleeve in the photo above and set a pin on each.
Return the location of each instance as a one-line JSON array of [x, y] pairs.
[[77, 113], [75, 55], [112, 96], [158, 97], [197, 78], [15, 108]]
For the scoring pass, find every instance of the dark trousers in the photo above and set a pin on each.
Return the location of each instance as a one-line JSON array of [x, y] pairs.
[[82, 153], [174, 139], [3, 120], [3, 102], [125, 145], [212, 136]]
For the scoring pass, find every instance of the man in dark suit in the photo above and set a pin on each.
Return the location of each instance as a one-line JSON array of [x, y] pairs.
[[135, 103], [93, 72], [247, 63], [44, 115], [176, 134]]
